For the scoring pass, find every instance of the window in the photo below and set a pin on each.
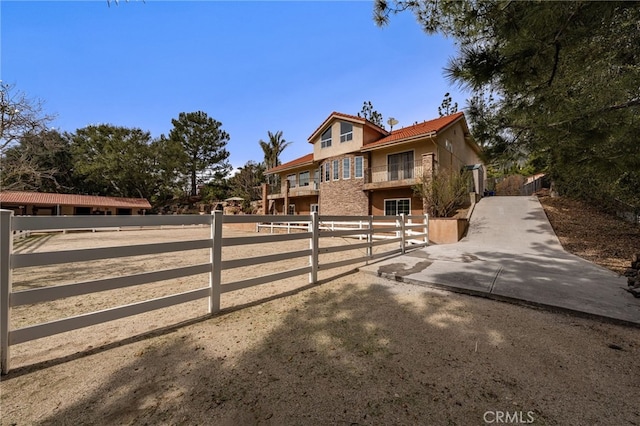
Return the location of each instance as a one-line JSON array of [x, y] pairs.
[[336, 169], [292, 180], [400, 166], [292, 209], [396, 207], [346, 168], [316, 178], [303, 179], [314, 208], [325, 139], [327, 171], [346, 132], [359, 167]]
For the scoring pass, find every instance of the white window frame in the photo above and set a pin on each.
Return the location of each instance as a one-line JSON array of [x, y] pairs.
[[346, 168], [314, 208], [355, 167], [396, 201], [348, 135], [336, 169], [292, 182], [291, 210], [327, 171], [324, 141], [300, 181]]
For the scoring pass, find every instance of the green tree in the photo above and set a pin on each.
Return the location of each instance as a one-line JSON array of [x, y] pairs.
[[167, 165], [39, 162], [272, 150], [115, 161], [203, 142], [447, 107], [247, 181], [563, 77], [368, 113]]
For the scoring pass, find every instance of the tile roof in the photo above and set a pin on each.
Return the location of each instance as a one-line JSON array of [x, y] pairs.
[[349, 117], [293, 163], [49, 199], [417, 130]]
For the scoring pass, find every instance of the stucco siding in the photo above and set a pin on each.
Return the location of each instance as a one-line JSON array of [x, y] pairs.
[[337, 147], [378, 198]]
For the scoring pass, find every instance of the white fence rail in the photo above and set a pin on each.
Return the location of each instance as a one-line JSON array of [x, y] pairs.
[[401, 229]]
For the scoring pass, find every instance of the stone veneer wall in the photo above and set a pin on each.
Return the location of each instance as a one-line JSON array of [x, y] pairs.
[[344, 197]]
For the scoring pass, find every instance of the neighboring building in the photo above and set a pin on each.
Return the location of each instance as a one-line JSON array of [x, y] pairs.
[[49, 204], [358, 168]]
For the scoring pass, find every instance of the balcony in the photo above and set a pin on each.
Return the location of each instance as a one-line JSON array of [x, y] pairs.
[[278, 191], [393, 175]]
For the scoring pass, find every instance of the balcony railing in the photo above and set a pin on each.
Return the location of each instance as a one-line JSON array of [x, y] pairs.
[[408, 171], [310, 189]]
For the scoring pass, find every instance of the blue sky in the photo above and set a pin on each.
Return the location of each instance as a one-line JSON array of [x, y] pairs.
[[254, 66]]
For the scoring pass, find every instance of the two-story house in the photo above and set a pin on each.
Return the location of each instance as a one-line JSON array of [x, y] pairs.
[[359, 168]]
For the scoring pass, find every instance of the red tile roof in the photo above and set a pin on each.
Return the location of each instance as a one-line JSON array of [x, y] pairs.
[[417, 130], [49, 199], [307, 159], [349, 117]]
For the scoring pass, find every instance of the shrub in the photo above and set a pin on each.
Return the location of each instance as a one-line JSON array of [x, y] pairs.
[[444, 192]]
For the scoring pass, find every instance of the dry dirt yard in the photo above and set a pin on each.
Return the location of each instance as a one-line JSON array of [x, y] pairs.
[[355, 349]]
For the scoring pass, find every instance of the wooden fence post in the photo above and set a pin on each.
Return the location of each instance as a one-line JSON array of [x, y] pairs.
[[314, 226], [216, 262], [6, 248]]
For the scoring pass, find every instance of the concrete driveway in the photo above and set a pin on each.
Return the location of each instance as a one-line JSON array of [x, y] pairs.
[[511, 253]]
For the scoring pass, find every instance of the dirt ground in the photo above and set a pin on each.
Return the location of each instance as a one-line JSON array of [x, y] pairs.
[[591, 234], [354, 349]]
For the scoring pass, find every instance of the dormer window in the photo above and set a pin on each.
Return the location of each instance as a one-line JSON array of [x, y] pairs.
[[325, 139], [346, 132]]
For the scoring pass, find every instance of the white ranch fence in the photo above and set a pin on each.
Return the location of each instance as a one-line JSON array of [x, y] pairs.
[[402, 230]]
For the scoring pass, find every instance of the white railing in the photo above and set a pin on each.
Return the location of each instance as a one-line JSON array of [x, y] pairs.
[[326, 225], [396, 229]]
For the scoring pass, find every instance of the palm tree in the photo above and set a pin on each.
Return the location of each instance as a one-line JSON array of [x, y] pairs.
[[272, 150]]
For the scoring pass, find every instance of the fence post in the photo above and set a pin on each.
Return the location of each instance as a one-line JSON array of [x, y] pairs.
[[426, 229], [314, 226], [370, 239], [6, 248], [215, 280], [402, 234]]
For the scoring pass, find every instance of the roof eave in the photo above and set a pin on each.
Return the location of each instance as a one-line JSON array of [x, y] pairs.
[[275, 170], [403, 141]]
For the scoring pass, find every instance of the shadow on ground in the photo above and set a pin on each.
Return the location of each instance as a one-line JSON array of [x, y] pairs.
[[356, 354]]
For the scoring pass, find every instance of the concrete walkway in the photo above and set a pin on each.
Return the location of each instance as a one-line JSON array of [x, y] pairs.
[[511, 253]]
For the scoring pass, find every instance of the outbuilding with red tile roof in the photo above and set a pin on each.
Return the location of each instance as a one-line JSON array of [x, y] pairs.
[[53, 204]]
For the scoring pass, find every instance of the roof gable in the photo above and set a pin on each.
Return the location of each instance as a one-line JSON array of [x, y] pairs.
[[345, 117]]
